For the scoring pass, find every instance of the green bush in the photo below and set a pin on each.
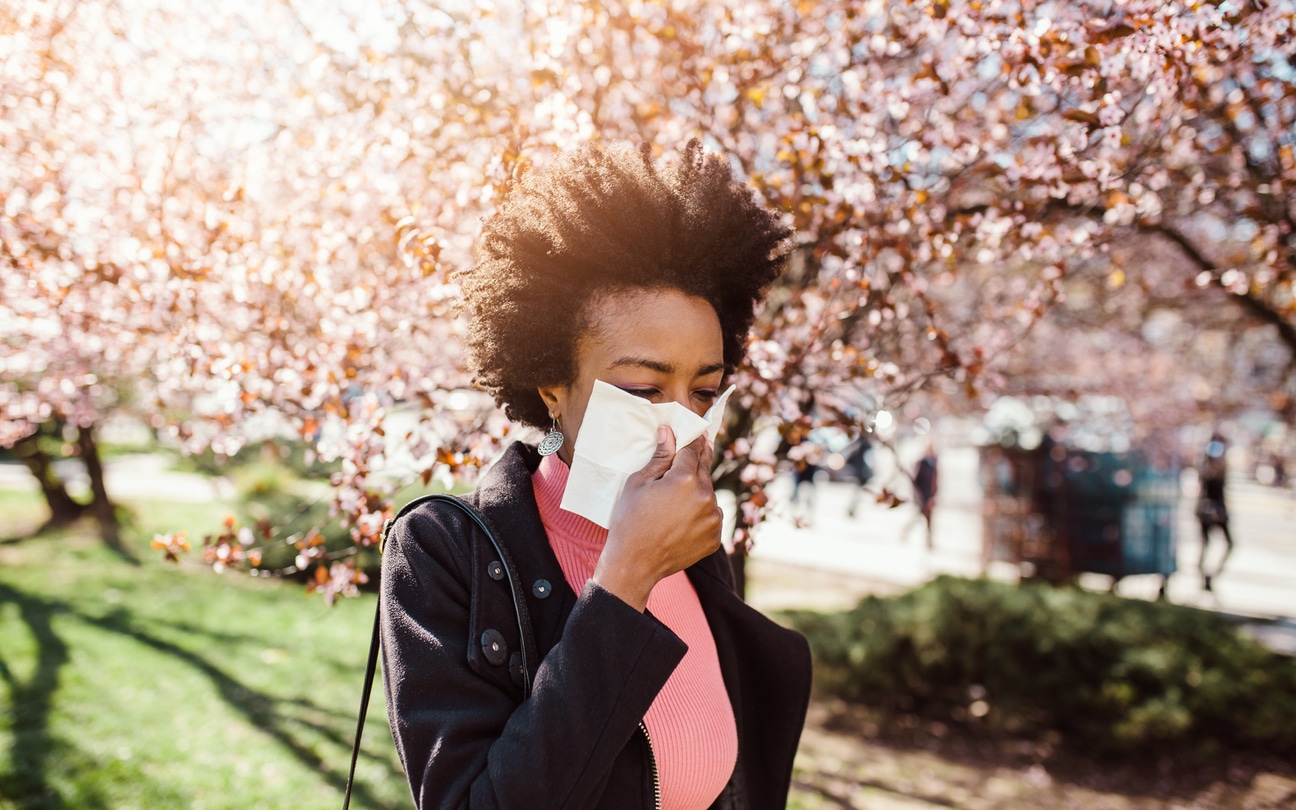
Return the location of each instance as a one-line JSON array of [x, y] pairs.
[[1112, 675], [271, 495]]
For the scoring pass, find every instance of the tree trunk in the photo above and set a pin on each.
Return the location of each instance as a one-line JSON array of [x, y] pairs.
[[728, 483], [63, 509], [103, 509]]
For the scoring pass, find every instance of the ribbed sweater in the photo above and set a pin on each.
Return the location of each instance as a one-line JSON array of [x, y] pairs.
[[691, 721]]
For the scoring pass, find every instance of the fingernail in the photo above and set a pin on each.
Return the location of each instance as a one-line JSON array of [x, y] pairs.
[[661, 434]]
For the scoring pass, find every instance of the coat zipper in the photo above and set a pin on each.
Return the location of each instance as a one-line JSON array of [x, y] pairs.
[[652, 758]]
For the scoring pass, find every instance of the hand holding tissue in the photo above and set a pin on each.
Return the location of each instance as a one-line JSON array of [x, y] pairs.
[[618, 437]]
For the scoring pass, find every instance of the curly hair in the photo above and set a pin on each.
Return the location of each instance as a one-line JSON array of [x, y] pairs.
[[601, 219]]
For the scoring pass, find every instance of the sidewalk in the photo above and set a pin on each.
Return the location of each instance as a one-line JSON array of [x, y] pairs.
[[136, 475], [1259, 580]]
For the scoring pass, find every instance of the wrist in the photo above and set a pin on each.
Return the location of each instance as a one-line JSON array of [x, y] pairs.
[[628, 586]]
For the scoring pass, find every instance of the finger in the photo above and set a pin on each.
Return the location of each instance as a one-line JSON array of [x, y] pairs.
[[705, 453], [706, 457], [717, 520], [686, 460], [663, 455]]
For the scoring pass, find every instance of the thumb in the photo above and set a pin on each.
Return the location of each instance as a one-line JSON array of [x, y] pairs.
[[662, 457]]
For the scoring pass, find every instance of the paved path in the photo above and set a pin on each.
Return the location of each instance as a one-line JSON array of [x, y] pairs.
[[137, 475], [1259, 579]]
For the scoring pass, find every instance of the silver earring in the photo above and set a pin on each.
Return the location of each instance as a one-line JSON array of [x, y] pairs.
[[552, 441]]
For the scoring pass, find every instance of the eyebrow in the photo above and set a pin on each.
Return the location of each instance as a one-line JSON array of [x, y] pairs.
[[664, 368]]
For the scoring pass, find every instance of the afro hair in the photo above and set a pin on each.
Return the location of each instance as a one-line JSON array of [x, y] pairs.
[[606, 218]]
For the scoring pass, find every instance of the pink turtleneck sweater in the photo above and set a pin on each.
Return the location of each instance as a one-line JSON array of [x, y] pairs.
[[691, 721]]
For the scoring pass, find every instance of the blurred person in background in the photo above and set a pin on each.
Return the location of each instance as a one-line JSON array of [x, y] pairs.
[[1211, 510], [857, 461], [806, 456], [925, 486]]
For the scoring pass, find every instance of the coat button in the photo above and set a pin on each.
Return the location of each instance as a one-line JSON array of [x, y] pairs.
[[542, 589], [494, 647], [495, 570]]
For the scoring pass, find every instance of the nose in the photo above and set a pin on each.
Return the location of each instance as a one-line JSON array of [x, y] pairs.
[[683, 394]]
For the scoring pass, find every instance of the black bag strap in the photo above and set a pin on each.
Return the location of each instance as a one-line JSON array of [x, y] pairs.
[[370, 669], [375, 643]]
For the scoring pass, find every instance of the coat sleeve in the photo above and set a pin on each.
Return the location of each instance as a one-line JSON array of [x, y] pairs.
[[465, 742]]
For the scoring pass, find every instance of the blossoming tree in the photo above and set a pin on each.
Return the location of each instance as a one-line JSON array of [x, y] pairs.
[[277, 232]]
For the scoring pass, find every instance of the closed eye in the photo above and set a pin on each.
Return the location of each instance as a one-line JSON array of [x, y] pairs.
[[646, 393]]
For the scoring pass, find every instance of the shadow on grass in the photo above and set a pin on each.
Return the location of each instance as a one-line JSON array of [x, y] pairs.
[[36, 532], [34, 747], [52, 529], [191, 629]]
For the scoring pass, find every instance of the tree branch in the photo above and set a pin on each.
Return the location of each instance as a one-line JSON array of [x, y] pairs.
[[1254, 307]]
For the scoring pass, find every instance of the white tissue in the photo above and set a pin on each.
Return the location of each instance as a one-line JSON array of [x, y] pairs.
[[618, 436]]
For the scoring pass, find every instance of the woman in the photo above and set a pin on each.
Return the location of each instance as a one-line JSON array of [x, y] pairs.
[[1212, 511], [629, 674]]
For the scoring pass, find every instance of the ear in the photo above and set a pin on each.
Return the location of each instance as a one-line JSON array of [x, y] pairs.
[[555, 399]]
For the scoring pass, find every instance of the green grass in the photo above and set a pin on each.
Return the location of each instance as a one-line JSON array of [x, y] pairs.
[[146, 685]]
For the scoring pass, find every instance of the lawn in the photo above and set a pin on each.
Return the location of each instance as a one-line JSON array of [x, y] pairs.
[[139, 684]]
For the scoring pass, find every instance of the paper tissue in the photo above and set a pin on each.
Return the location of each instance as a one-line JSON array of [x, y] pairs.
[[618, 436]]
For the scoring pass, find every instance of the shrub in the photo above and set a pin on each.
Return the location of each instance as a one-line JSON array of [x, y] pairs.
[[1112, 675], [271, 495]]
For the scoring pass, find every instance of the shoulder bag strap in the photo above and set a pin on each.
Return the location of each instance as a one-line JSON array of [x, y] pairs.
[[370, 669]]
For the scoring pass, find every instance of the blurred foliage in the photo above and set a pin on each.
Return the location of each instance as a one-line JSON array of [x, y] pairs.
[[295, 456], [292, 518], [292, 527], [1112, 675]]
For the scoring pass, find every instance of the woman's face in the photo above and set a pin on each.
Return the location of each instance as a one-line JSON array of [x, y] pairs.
[[662, 345]]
